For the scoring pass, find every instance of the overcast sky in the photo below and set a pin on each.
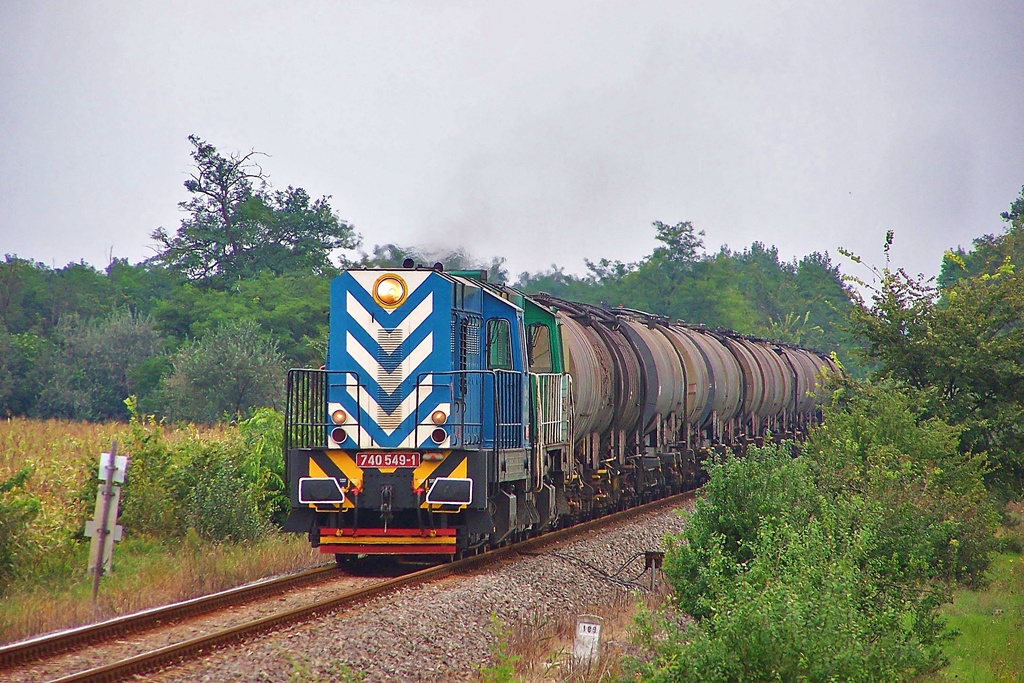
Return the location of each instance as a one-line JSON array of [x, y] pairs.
[[542, 132]]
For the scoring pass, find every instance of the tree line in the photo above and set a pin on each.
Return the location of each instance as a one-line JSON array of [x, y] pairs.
[[207, 327], [239, 292]]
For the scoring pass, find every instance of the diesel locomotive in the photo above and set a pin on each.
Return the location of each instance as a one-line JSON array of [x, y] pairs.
[[453, 414]]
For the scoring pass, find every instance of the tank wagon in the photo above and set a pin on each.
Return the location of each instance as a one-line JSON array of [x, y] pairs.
[[453, 415]]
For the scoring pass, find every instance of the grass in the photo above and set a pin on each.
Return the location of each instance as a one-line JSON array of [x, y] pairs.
[[990, 619], [52, 589], [990, 646], [63, 456], [147, 573], [543, 651]]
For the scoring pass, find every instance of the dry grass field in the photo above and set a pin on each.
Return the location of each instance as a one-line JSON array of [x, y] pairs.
[[52, 590]]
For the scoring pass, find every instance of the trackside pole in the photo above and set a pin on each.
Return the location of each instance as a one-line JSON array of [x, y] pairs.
[[103, 528], [653, 560]]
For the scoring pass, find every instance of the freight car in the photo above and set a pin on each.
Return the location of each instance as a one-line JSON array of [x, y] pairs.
[[453, 415]]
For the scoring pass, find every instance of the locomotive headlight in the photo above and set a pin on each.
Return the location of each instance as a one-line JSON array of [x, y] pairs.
[[438, 417], [389, 291], [338, 417]]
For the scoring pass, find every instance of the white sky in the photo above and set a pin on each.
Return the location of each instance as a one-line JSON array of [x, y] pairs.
[[543, 132]]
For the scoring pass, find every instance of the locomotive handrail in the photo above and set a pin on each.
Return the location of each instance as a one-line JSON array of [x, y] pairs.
[[552, 401], [360, 388], [463, 440], [503, 434], [306, 423], [460, 437], [432, 386]]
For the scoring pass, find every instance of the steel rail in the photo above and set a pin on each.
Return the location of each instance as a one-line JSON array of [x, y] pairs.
[[189, 649], [25, 651]]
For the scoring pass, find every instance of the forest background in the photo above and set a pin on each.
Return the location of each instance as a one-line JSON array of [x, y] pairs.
[[206, 328]]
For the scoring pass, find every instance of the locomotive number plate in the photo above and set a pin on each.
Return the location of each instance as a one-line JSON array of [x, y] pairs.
[[387, 459]]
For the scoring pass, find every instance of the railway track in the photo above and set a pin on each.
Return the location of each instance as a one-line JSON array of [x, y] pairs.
[[49, 645], [38, 649]]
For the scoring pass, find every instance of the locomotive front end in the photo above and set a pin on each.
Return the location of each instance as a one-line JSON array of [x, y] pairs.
[[388, 445], [372, 433]]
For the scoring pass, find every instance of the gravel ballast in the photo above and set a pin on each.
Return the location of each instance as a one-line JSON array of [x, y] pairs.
[[444, 631]]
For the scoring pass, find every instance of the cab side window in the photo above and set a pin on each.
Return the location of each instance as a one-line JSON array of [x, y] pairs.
[[499, 344], [540, 348]]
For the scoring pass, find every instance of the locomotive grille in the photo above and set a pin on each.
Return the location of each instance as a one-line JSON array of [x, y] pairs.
[[389, 400], [390, 340], [469, 331], [473, 337]]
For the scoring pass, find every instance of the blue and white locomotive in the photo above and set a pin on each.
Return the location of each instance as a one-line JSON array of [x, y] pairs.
[[426, 394], [453, 415]]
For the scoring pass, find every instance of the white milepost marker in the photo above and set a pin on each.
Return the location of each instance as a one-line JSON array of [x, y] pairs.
[[588, 639]]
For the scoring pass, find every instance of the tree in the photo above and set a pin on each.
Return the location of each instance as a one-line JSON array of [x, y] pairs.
[[237, 226], [34, 297], [230, 371], [557, 282], [750, 291], [680, 244], [98, 363], [963, 344], [989, 252]]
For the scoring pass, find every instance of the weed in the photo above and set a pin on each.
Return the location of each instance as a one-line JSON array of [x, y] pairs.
[[17, 510], [503, 670], [303, 670]]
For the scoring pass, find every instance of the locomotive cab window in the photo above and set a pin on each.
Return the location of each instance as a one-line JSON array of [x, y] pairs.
[[540, 348], [499, 344]]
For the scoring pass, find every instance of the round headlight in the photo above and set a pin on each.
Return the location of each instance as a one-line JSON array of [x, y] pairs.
[[438, 417], [389, 290], [339, 435], [338, 417], [438, 435]]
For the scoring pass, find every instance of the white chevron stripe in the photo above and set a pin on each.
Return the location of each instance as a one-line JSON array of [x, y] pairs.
[[370, 407], [389, 381], [390, 339]]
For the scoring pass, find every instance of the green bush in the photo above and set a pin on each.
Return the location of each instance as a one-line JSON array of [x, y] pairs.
[[739, 495], [228, 488], [217, 495], [264, 443], [831, 566], [802, 610], [937, 518], [148, 504]]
